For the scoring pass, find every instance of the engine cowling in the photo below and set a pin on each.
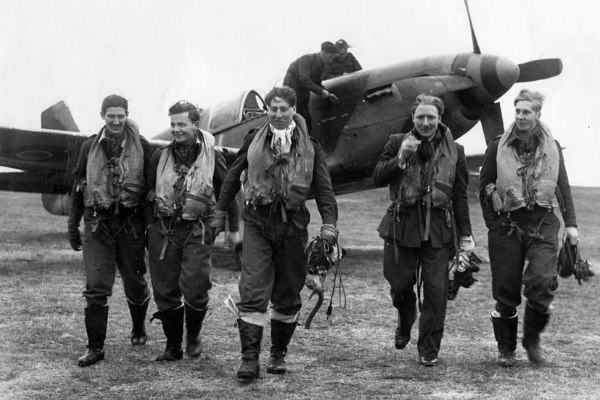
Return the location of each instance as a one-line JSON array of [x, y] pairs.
[[57, 204]]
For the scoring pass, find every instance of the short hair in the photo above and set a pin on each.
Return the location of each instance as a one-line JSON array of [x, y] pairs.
[[185, 106], [536, 99], [114, 100], [328, 47], [286, 93], [428, 100]]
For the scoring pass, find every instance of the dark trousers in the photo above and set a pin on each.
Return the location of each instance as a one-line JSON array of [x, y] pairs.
[[533, 236], [185, 269], [274, 266], [118, 242], [400, 268]]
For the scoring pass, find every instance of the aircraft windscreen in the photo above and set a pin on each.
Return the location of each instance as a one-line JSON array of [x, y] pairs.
[[246, 106]]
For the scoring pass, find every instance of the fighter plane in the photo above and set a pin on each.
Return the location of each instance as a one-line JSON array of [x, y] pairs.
[[373, 104]]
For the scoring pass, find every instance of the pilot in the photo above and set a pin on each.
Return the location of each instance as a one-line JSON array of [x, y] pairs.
[[183, 179], [344, 62], [522, 171], [110, 186], [427, 176], [304, 76], [279, 164]]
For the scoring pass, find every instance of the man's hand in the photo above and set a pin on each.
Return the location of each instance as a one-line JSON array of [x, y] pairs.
[[409, 146], [218, 219], [466, 244], [572, 234], [233, 239], [328, 95], [330, 234], [75, 238]]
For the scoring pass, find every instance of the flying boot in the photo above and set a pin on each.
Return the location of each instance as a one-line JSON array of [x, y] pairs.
[[406, 318], [505, 331], [138, 317], [96, 318], [281, 334], [172, 323], [193, 324], [250, 337], [535, 322]]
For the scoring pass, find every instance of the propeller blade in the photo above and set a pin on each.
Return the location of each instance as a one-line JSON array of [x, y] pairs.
[[58, 117], [539, 69], [491, 122], [476, 49]]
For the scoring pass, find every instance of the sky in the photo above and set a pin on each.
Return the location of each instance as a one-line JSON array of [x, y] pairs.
[[158, 52]]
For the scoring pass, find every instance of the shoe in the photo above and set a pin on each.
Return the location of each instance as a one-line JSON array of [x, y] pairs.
[[400, 341], [427, 361], [91, 356], [507, 359], [170, 354]]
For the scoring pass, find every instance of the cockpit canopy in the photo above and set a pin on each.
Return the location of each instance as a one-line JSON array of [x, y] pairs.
[[223, 115]]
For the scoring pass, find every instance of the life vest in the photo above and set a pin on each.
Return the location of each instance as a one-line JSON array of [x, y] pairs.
[[522, 184], [285, 179], [197, 194], [410, 187], [120, 182]]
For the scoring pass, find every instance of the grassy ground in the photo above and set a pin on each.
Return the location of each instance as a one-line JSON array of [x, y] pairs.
[[349, 356]]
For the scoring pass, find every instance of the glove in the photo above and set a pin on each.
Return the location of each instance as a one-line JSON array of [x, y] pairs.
[[209, 235], [330, 234], [218, 218], [75, 239], [75, 214]]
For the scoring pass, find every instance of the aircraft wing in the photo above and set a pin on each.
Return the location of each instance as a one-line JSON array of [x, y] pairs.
[[44, 156]]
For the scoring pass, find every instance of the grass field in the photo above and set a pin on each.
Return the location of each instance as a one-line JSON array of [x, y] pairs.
[[350, 356]]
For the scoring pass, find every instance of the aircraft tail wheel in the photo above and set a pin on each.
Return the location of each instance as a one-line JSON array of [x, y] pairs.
[[238, 256]]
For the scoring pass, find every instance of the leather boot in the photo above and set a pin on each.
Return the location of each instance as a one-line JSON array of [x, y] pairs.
[[193, 324], [406, 319], [281, 334], [96, 318], [172, 323], [250, 337], [505, 331], [535, 322], [138, 317]]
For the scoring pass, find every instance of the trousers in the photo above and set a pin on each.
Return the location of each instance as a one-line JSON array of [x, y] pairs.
[[400, 268]]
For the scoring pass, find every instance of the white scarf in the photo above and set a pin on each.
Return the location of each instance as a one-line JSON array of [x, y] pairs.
[[282, 140]]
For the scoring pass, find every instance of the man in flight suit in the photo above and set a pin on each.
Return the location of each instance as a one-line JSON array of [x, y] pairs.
[[110, 185]]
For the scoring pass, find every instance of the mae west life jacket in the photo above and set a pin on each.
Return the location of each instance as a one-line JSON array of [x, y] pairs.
[[287, 179], [197, 196], [521, 183], [410, 187], [115, 182]]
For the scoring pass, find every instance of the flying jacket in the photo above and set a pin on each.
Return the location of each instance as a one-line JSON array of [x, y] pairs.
[[287, 179], [403, 224], [117, 183], [198, 192]]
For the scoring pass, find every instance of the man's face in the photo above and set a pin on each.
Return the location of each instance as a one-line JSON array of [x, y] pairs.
[[327, 57], [342, 51], [182, 129], [525, 117], [426, 120], [114, 120], [280, 113]]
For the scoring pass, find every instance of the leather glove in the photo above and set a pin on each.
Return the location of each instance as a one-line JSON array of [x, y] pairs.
[[407, 149], [330, 234], [217, 223], [75, 214]]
